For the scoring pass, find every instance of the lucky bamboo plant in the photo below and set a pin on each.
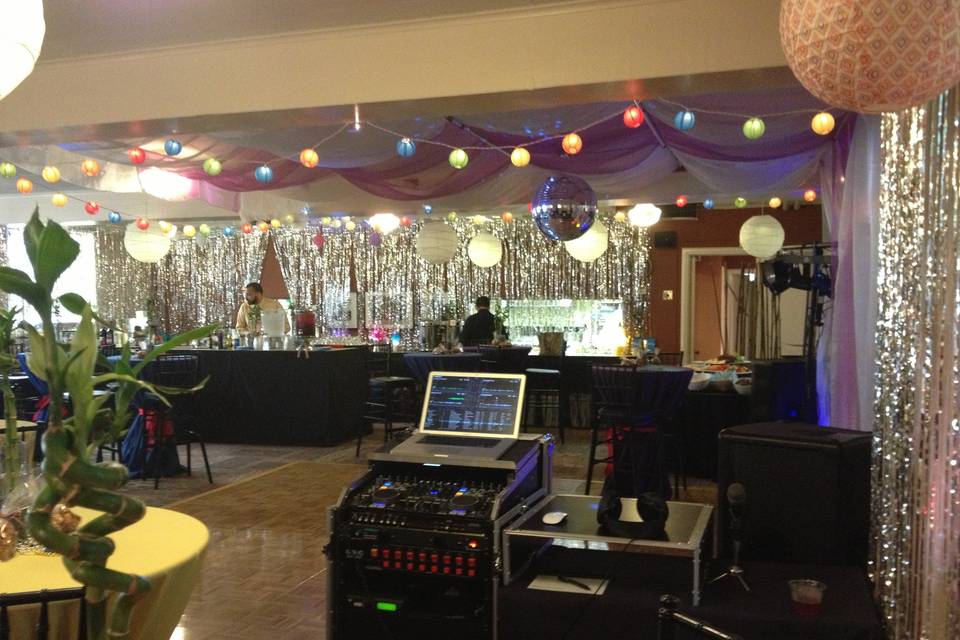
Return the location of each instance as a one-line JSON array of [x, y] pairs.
[[11, 444], [69, 442]]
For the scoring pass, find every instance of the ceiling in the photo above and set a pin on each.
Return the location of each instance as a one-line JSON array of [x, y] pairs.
[[110, 31], [78, 28]]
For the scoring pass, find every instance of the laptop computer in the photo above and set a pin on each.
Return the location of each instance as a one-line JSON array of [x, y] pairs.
[[473, 415]]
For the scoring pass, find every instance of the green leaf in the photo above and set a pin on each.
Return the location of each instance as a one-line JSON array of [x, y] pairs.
[[75, 303], [19, 284], [31, 237], [78, 375], [37, 358], [56, 251], [173, 342]]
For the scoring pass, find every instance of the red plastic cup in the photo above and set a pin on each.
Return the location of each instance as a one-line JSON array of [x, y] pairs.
[[806, 596]]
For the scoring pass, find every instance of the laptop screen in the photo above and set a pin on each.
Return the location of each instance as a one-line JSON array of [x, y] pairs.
[[473, 404]]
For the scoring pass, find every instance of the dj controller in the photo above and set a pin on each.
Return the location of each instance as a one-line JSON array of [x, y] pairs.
[[415, 548]]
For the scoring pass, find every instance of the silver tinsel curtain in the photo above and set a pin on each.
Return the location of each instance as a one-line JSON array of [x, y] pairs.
[[123, 284], [916, 471], [199, 282], [397, 288]]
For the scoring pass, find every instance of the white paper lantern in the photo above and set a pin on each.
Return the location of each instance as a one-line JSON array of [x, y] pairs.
[[146, 246], [644, 215], [485, 250], [761, 236], [437, 242], [21, 36], [590, 245], [872, 55]]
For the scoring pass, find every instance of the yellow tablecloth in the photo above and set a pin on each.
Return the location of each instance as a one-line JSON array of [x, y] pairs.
[[28, 437], [167, 547]]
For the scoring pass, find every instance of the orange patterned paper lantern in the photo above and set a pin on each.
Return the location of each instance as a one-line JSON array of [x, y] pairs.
[[24, 185], [90, 168], [872, 56], [572, 144], [309, 158]]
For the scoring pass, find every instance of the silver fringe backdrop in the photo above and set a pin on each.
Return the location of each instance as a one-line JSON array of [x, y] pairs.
[[199, 282], [916, 468], [387, 286], [397, 288]]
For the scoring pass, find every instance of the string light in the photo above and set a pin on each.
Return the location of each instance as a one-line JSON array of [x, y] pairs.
[[753, 128], [572, 144], [520, 157], [458, 158], [822, 123], [90, 168], [309, 158], [681, 201], [51, 174]]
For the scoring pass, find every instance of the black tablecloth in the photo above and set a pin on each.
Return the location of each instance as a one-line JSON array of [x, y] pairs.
[[703, 416], [421, 364], [628, 609], [273, 397]]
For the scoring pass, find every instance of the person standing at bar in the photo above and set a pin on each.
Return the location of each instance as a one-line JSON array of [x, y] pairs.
[[478, 328], [248, 317]]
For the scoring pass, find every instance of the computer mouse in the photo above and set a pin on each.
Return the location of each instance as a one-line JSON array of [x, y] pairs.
[[554, 517]]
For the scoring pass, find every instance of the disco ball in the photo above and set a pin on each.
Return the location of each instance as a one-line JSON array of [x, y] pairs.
[[564, 207]]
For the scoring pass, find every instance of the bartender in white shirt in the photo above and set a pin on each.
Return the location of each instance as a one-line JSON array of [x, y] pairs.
[[254, 302]]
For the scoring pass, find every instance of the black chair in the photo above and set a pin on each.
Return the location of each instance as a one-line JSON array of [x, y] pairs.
[[42, 598], [612, 395], [390, 398], [667, 358], [636, 405], [503, 359], [545, 391], [174, 371]]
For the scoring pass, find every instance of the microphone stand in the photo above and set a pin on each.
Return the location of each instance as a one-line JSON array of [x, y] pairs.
[[735, 570]]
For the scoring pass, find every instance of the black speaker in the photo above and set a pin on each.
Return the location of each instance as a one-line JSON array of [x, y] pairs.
[[777, 392], [807, 492], [664, 239]]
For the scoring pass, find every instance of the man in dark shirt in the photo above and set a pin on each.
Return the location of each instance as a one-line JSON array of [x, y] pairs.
[[478, 328]]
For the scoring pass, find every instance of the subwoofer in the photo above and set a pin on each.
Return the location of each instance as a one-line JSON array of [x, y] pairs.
[[807, 492]]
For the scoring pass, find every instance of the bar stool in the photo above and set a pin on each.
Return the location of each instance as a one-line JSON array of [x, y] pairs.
[[389, 398], [613, 389], [172, 371], [545, 391], [635, 404]]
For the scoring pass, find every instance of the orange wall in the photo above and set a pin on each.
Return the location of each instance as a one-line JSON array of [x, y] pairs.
[[713, 228]]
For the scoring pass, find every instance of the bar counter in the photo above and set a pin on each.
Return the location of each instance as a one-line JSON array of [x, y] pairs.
[[273, 397]]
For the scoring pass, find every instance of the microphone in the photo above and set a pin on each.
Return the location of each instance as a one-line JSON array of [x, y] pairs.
[[736, 502]]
